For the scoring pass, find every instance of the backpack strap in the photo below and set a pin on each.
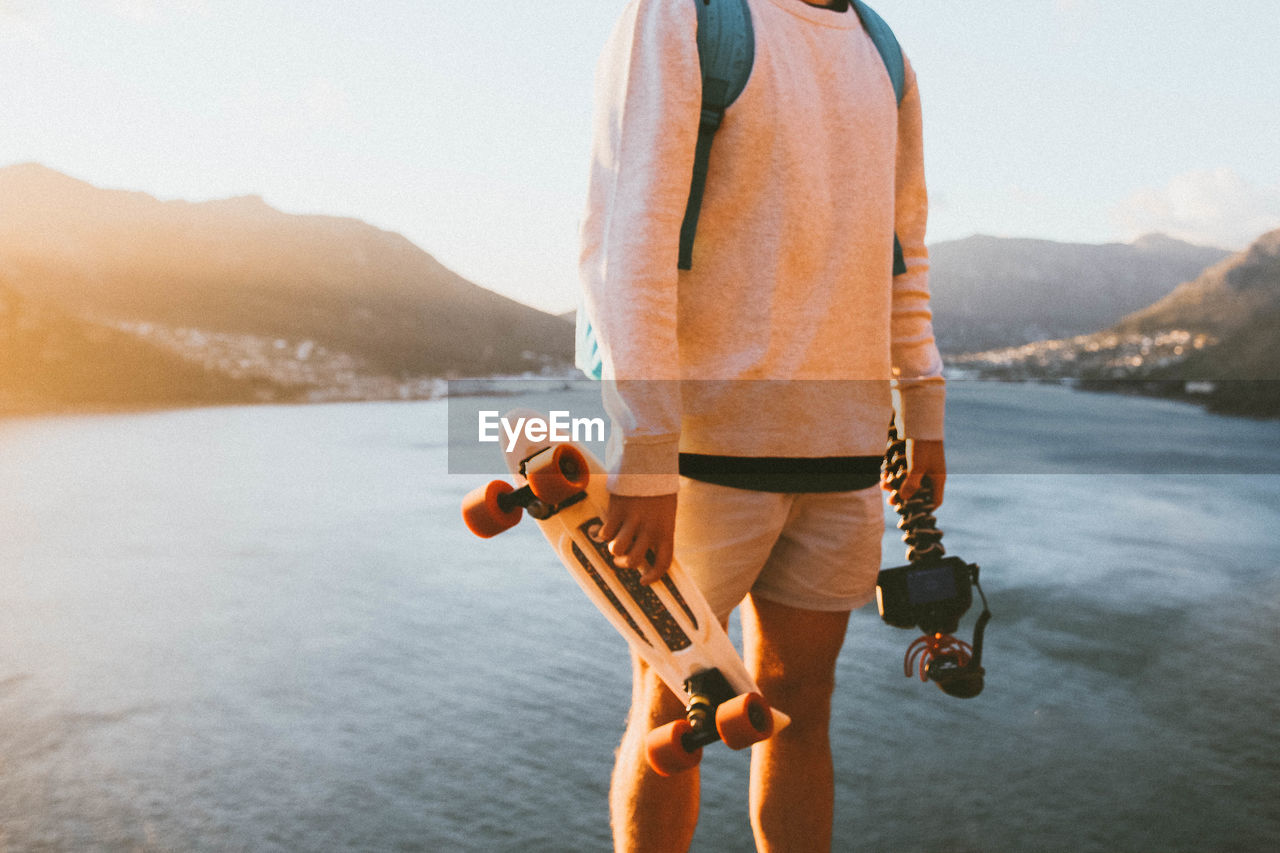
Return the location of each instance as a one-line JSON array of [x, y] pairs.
[[891, 54], [887, 44], [726, 52]]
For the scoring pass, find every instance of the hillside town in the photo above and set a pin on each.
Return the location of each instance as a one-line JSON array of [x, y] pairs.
[[1107, 355], [317, 374]]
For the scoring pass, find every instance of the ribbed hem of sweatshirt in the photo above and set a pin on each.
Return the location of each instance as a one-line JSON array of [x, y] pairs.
[[645, 467], [921, 408]]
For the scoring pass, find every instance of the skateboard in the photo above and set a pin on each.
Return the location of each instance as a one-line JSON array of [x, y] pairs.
[[669, 625]]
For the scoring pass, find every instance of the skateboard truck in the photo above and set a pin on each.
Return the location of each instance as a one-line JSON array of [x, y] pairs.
[[707, 690], [713, 712], [524, 498], [557, 478]]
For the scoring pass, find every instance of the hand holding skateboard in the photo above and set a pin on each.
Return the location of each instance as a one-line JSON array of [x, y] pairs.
[[640, 533], [667, 623]]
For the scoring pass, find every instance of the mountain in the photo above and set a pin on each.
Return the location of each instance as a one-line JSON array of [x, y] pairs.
[[1212, 339], [50, 360], [1225, 299], [209, 281], [1237, 303], [995, 292]]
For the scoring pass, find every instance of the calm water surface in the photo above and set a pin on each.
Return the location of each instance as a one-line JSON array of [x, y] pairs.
[[266, 629]]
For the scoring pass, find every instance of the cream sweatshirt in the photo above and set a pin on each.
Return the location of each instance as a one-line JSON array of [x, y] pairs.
[[790, 333]]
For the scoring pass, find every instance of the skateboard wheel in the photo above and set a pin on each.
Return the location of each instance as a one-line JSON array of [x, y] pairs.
[[664, 749], [557, 474], [484, 515], [743, 720]]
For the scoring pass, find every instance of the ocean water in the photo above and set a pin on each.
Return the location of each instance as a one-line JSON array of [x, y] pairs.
[[266, 629]]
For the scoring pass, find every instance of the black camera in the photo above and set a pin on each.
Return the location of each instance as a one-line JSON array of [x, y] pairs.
[[933, 591], [931, 595]]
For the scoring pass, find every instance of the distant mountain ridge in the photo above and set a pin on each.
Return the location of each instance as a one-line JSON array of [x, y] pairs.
[[1212, 339], [1238, 303], [990, 292], [1224, 298], [112, 297], [239, 267], [182, 276]]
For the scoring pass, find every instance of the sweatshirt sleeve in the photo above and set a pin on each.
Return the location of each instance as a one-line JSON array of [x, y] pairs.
[[647, 108], [917, 365]]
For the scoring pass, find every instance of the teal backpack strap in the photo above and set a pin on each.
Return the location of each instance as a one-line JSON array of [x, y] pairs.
[[726, 52], [885, 41], [891, 54]]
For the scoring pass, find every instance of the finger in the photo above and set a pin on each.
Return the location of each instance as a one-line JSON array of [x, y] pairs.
[[938, 483], [910, 486], [660, 565], [637, 556], [640, 551], [612, 523], [621, 544]]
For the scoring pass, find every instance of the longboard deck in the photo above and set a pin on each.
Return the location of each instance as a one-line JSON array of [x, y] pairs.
[[669, 624]]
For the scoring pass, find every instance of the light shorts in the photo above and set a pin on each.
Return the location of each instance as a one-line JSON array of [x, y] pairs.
[[812, 551]]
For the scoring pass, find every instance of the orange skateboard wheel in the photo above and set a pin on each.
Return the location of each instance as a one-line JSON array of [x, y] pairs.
[[743, 720], [557, 474], [664, 749], [484, 515]]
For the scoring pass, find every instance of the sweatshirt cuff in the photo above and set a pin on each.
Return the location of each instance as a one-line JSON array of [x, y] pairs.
[[921, 409], [644, 468]]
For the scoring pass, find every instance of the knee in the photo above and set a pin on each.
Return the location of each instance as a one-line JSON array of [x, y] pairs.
[[805, 695], [652, 702]]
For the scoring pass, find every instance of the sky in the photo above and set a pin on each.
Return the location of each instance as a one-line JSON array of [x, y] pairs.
[[466, 126]]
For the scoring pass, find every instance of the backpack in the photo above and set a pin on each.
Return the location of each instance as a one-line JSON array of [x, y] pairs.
[[726, 53]]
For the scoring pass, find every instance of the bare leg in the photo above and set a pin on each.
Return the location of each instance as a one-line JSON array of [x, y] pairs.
[[793, 655], [649, 812]]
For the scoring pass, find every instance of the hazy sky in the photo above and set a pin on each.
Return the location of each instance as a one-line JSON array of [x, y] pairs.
[[465, 125]]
